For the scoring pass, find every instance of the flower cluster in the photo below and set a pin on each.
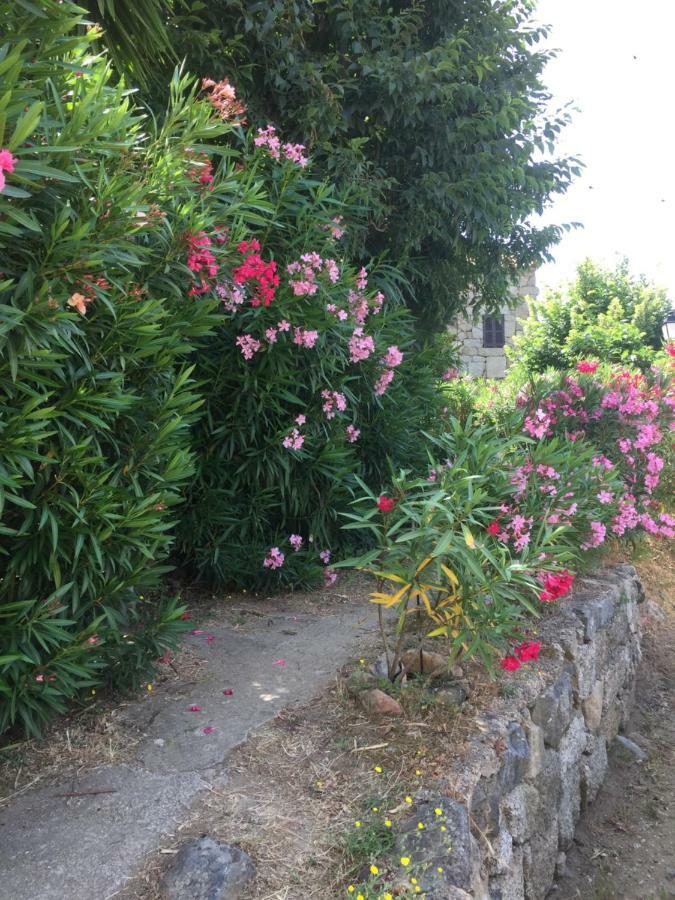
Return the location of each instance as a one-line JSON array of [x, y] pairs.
[[7, 163], [307, 268], [555, 585], [360, 345], [528, 651], [222, 97], [81, 299], [201, 261], [248, 345], [274, 559], [332, 401], [268, 138], [392, 358], [258, 276]]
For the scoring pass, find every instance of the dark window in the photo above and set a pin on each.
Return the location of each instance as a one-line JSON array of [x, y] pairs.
[[493, 331]]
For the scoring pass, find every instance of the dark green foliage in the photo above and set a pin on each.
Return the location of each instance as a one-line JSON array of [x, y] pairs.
[[608, 315], [431, 114], [96, 394]]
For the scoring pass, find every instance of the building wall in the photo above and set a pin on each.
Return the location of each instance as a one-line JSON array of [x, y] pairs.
[[491, 362]]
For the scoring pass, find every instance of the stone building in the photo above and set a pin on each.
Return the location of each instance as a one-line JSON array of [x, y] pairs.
[[483, 342]]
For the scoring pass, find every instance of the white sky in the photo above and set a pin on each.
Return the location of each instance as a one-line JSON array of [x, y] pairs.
[[616, 63]]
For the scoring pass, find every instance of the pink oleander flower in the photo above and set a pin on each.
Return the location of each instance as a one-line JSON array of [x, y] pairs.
[[602, 462], [295, 541], [538, 426], [295, 153], [283, 325], [301, 419], [605, 497], [271, 335], [362, 279], [294, 440], [333, 400], [304, 338], [248, 345], [267, 137], [587, 367], [597, 537], [274, 559], [324, 556], [7, 161], [222, 97], [353, 434], [392, 358], [360, 346], [383, 382], [329, 577]]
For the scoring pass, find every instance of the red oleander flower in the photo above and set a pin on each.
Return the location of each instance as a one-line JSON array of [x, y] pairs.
[[509, 663], [386, 504], [528, 650]]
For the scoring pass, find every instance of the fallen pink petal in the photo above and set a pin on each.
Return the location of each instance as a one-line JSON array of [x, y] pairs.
[[228, 692], [196, 631], [195, 708], [208, 730], [279, 662], [210, 637]]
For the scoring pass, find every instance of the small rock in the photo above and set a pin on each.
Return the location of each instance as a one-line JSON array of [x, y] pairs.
[[457, 672], [377, 703], [670, 872], [632, 747], [205, 869], [380, 668], [453, 695], [425, 662]]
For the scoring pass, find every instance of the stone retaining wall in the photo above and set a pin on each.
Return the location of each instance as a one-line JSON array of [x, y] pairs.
[[511, 805]]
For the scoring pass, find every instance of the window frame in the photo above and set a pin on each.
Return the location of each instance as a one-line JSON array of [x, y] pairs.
[[494, 332]]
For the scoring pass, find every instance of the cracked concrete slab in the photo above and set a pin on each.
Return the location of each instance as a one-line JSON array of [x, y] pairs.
[[87, 845]]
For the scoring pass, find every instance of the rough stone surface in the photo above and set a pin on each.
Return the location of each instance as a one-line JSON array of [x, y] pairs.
[[205, 869], [491, 362], [540, 759], [552, 711]]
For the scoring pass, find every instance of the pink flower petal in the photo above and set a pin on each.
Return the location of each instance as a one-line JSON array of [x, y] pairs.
[[228, 692], [208, 730], [195, 708], [210, 637], [279, 662], [196, 631]]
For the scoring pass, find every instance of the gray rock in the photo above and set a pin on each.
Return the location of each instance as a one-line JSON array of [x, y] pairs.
[[552, 711], [452, 850], [452, 695], [515, 759], [592, 707], [509, 886], [632, 747], [484, 805], [521, 812], [539, 860], [205, 869], [535, 739], [593, 768]]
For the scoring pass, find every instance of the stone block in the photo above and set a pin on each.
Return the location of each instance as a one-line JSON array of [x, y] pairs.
[[509, 885], [553, 709], [454, 850], [515, 759], [539, 861], [205, 869], [495, 367], [592, 706], [535, 740], [521, 812], [593, 768]]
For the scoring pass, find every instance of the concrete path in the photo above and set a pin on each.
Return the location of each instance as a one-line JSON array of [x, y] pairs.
[[56, 847]]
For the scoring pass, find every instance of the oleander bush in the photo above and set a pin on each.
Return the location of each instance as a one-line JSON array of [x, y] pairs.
[[98, 206], [311, 378]]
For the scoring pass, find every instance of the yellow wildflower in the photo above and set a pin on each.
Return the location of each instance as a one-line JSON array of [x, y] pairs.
[[408, 799], [374, 870], [438, 811], [387, 823], [357, 824], [405, 860]]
